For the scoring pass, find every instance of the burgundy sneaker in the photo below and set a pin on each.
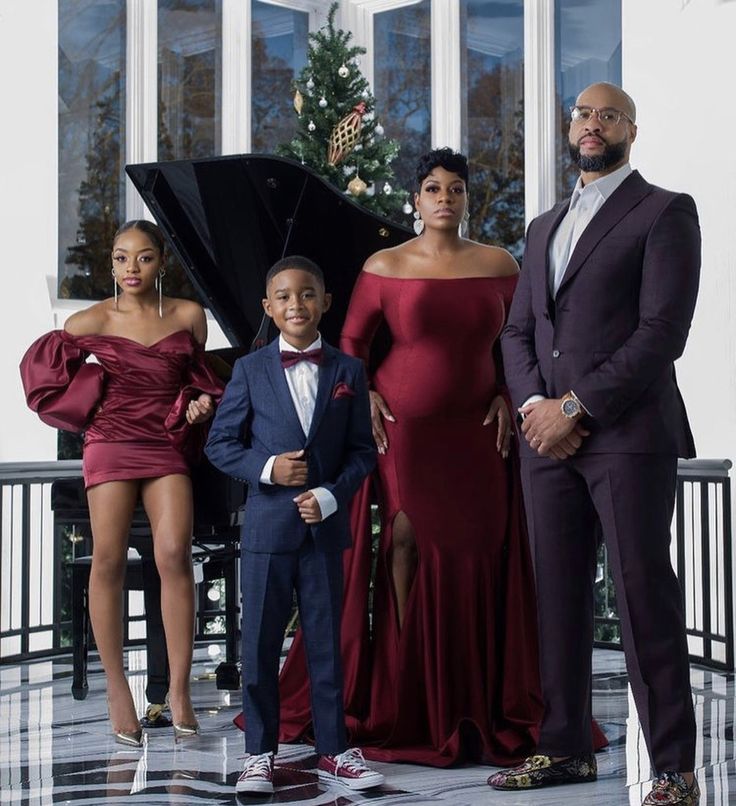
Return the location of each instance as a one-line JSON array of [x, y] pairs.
[[349, 769], [257, 775]]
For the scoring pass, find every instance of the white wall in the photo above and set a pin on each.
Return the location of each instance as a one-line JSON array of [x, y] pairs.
[[679, 65], [28, 209]]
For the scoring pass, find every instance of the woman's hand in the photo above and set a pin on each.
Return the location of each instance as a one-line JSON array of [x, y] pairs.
[[200, 410], [499, 411], [380, 409]]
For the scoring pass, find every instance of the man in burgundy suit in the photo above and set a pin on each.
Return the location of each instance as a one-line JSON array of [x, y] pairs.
[[602, 310]]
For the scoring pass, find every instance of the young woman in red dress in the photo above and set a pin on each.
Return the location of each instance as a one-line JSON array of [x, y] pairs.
[[141, 407]]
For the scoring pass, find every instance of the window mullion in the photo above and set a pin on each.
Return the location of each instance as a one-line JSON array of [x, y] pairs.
[[539, 107], [141, 118], [237, 72], [446, 79]]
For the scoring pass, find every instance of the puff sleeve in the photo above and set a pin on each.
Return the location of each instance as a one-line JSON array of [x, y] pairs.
[[59, 385], [200, 379]]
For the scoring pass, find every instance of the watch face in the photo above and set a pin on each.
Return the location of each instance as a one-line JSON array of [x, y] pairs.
[[570, 408]]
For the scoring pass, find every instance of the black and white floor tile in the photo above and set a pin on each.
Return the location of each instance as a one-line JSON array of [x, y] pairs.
[[54, 749]]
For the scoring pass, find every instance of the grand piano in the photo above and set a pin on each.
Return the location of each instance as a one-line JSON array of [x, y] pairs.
[[227, 220]]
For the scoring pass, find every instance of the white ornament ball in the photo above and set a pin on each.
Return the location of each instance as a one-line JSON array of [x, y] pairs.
[[310, 84], [359, 147], [343, 71], [387, 189], [323, 102], [370, 190], [379, 130], [365, 94], [407, 208], [311, 126]]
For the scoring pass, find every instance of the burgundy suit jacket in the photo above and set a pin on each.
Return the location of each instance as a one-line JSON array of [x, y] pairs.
[[619, 321]]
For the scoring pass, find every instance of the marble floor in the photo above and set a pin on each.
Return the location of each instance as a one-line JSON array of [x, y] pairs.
[[54, 749]]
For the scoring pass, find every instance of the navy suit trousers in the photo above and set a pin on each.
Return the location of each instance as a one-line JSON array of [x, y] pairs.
[[268, 585]]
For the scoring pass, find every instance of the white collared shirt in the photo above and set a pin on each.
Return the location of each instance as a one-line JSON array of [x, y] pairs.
[[585, 202], [303, 379]]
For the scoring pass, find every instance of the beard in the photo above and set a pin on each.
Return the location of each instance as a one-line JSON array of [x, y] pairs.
[[612, 154]]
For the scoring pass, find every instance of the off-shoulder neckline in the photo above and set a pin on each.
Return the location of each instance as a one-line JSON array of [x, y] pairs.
[[444, 279], [133, 341]]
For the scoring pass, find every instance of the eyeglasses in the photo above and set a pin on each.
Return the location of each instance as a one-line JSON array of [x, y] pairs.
[[606, 117]]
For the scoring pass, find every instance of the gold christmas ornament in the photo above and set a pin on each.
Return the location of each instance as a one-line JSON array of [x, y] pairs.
[[356, 186], [298, 102], [345, 135]]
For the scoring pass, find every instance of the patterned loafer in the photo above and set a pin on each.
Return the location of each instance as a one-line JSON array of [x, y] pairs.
[[538, 771], [671, 789]]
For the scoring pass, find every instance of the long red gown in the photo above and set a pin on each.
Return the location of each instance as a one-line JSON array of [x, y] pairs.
[[460, 680], [131, 405]]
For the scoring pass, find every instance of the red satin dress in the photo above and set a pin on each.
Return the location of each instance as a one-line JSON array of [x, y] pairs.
[[460, 680], [131, 405]]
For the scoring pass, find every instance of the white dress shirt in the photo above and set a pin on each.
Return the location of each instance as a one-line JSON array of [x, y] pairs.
[[302, 379], [585, 202]]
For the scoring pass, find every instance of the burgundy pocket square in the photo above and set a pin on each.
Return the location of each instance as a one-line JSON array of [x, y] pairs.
[[342, 390]]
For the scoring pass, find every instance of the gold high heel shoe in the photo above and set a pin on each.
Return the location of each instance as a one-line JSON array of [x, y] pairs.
[[133, 738], [183, 731]]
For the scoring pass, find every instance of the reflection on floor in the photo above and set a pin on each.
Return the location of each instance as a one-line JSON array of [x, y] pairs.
[[54, 749]]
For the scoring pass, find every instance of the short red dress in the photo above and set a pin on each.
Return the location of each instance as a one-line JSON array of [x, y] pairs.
[[131, 405]]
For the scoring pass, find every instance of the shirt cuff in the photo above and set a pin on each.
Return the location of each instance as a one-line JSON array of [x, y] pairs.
[[532, 399], [582, 405], [326, 500], [266, 472]]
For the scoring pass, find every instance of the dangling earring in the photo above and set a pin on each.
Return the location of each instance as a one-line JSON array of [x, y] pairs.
[[418, 223], [160, 286], [114, 287], [463, 228]]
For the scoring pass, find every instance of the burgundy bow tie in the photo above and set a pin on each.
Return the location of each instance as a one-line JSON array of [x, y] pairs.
[[288, 359]]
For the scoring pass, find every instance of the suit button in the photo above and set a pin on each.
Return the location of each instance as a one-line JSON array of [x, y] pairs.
[[555, 353]]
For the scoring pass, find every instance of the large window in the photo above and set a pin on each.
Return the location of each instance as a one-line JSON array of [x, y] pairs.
[[588, 49], [402, 83], [91, 142], [189, 78], [279, 43], [492, 34]]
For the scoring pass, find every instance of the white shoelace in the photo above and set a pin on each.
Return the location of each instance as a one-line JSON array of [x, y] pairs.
[[258, 765], [352, 760]]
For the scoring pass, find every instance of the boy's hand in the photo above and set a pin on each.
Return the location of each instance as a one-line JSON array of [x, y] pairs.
[[308, 507], [289, 469]]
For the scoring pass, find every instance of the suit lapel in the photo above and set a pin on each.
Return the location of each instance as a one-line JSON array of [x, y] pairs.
[[548, 227], [626, 196], [277, 377], [325, 385]]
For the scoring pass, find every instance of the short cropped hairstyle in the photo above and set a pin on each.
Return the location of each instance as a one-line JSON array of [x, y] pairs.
[[148, 228], [298, 262], [452, 161]]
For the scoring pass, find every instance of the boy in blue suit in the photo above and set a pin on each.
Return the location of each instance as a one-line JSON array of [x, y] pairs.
[[294, 424]]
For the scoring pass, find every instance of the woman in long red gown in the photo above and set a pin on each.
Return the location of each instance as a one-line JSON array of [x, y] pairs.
[[140, 408], [441, 665]]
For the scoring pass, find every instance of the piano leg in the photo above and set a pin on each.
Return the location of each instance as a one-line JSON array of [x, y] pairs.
[[157, 658], [227, 674], [80, 626]]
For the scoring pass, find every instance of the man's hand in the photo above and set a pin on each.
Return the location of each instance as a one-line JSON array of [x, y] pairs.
[[289, 469], [549, 432], [308, 507]]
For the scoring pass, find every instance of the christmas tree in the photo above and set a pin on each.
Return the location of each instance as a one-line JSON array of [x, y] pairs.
[[338, 134]]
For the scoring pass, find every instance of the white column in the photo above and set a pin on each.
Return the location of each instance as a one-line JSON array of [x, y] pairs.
[[539, 107], [446, 84], [236, 76], [357, 17], [141, 119]]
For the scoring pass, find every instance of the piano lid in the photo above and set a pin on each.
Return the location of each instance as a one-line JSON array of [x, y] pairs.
[[228, 219]]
